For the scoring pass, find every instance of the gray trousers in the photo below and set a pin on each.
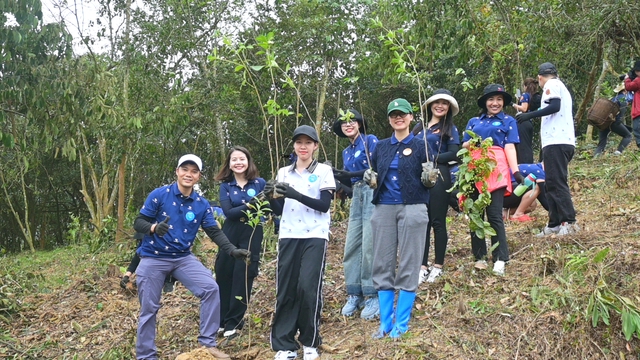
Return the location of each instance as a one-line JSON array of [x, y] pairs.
[[399, 237], [194, 276]]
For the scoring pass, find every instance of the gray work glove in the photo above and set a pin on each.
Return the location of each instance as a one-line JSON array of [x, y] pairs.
[[429, 175], [371, 178]]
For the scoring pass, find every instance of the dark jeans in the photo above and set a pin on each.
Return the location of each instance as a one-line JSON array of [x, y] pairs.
[[619, 128], [494, 217], [556, 167], [524, 149], [636, 130]]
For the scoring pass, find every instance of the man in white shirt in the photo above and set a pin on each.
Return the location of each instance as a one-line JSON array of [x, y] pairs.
[[558, 138]]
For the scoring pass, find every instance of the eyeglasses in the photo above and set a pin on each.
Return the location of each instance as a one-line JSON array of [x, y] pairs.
[[397, 116], [347, 124]]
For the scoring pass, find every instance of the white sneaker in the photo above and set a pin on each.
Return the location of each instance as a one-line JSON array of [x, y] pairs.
[[498, 267], [424, 273], [617, 153], [481, 265], [354, 302], [285, 355], [575, 227], [567, 229], [549, 231], [371, 308], [434, 274], [310, 353]]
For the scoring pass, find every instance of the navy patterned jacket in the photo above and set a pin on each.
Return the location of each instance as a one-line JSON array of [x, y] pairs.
[[409, 169]]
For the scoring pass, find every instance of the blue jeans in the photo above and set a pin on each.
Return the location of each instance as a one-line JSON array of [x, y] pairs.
[[358, 248]]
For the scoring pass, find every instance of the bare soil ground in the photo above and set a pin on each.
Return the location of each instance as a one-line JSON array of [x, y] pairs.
[[537, 311]]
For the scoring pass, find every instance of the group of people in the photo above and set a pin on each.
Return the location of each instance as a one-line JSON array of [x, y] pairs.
[[627, 93], [406, 206], [396, 201]]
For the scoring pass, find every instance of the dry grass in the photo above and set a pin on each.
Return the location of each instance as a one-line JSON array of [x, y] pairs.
[[537, 311]]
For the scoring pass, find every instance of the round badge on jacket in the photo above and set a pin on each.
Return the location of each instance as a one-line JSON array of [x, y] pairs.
[[251, 192], [313, 178], [190, 215], [407, 152]]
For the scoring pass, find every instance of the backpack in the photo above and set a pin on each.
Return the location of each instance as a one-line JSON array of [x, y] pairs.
[[602, 113], [535, 102]]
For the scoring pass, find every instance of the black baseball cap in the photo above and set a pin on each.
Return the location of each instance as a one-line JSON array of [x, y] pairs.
[[305, 130], [547, 69]]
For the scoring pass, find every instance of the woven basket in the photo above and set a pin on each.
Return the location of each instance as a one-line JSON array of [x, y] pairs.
[[602, 113]]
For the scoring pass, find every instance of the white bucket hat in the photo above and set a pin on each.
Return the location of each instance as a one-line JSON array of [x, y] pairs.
[[443, 94]]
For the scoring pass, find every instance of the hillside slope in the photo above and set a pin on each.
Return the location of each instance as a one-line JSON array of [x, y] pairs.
[[539, 310]]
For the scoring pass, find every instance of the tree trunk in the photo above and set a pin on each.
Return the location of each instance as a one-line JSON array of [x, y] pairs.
[[593, 88], [321, 100], [121, 195], [98, 197], [125, 94], [25, 227]]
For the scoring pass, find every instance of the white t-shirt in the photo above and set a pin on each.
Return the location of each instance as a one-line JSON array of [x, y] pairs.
[[557, 128], [298, 220]]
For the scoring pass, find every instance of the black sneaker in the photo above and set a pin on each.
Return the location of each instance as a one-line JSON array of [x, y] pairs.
[[168, 287], [228, 337]]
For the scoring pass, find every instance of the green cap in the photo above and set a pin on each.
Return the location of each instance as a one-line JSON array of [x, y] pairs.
[[401, 105]]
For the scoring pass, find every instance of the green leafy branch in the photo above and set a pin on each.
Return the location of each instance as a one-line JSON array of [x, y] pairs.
[[237, 55], [405, 57], [346, 116], [476, 167], [603, 300]]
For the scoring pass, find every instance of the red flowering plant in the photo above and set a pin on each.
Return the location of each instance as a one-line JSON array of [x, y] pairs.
[[471, 183]]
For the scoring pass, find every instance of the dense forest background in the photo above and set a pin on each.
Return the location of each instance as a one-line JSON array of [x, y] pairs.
[[88, 129]]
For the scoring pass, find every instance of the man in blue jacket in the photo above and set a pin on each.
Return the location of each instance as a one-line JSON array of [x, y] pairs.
[[170, 219]]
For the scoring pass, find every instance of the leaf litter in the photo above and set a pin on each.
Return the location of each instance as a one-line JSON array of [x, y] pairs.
[[533, 312]]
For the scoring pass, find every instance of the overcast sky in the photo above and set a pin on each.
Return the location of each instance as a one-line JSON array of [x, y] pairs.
[[78, 16]]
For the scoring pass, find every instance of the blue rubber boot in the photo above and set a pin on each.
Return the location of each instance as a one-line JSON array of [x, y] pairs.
[[385, 298], [403, 313]]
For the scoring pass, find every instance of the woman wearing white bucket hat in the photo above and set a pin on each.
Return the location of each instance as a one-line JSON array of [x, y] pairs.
[[443, 140]]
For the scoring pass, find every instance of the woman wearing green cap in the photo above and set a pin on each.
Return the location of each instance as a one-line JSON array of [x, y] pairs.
[[399, 220]]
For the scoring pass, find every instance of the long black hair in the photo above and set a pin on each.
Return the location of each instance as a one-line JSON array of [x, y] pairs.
[[446, 124]]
